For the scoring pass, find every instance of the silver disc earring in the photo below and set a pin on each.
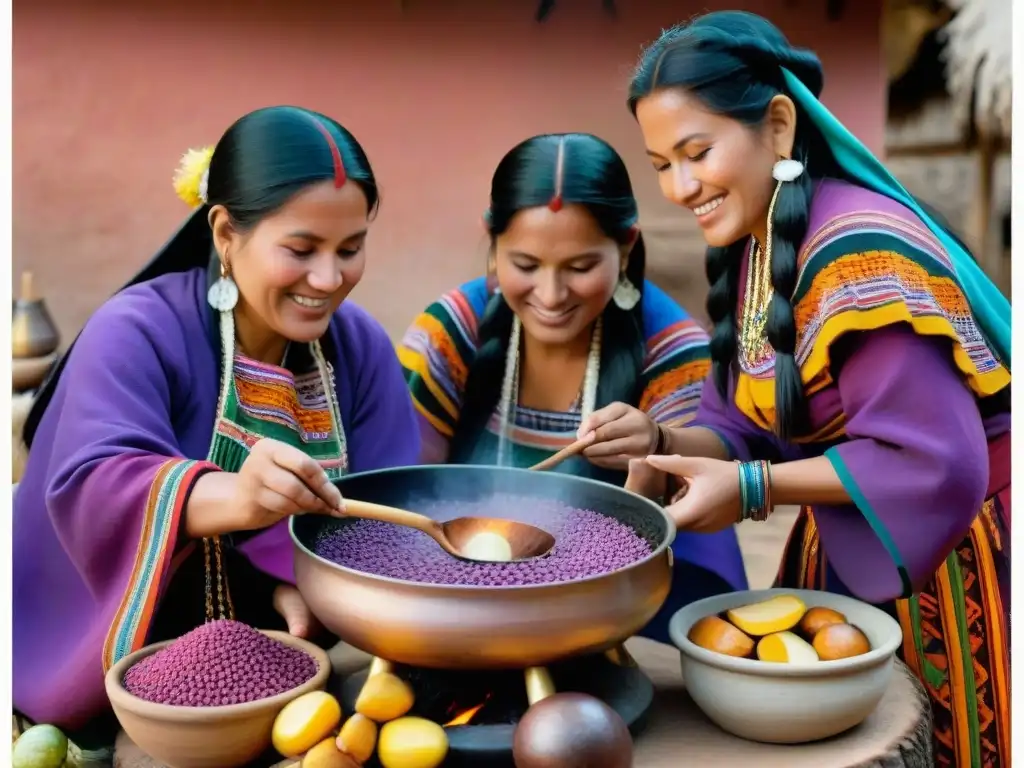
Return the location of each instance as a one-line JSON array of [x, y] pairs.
[[223, 294], [626, 295], [787, 170]]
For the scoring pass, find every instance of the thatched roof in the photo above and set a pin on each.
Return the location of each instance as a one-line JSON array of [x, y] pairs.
[[979, 63], [905, 26]]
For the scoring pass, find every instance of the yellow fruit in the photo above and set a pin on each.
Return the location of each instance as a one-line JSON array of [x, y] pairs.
[[358, 737], [304, 722], [41, 746], [384, 697], [326, 755], [775, 615], [719, 635], [840, 641], [818, 618], [412, 742], [785, 648]]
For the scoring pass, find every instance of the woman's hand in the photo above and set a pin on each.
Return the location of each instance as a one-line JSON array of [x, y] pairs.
[[712, 499], [645, 480], [277, 481], [293, 609], [621, 432]]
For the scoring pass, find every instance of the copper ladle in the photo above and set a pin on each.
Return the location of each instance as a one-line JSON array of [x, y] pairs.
[[458, 537]]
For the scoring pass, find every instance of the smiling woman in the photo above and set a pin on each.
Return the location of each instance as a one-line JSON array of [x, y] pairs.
[[861, 365], [212, 397], [504, 368]]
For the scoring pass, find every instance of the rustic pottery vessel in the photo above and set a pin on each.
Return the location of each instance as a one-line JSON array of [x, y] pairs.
[[205, 737], [33, 332], [27, 373], [572, 729], [781, 703]]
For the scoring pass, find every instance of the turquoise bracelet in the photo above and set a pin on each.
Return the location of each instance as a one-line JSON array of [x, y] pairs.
[[755, 490]]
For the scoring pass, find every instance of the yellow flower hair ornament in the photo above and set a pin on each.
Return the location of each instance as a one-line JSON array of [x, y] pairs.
[[192, 176]]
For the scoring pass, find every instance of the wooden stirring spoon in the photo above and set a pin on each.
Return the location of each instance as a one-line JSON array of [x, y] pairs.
[[568, 452], [478, 539]]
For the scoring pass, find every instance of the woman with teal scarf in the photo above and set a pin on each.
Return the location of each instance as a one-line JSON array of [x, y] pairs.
[[860, 366]]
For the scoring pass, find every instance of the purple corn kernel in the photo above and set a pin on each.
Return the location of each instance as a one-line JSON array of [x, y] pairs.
[[222, 662], [587, 543]]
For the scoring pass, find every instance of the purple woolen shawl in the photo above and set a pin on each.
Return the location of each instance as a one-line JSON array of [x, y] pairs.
[[97, 515]]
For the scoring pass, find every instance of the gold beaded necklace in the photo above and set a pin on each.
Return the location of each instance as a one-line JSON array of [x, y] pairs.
[[754, 346], [753, 339]]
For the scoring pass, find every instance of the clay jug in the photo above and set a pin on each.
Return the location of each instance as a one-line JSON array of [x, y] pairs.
[[33, 332]]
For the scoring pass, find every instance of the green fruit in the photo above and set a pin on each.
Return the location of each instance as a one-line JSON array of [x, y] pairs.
[[41, 746]]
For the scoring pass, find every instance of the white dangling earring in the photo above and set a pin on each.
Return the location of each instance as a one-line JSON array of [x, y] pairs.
[[626, 295], [223, 294], [787, 170]]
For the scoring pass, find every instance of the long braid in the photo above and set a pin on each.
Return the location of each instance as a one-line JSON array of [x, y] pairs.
[[722, 266], [483, 382], [789, 225]]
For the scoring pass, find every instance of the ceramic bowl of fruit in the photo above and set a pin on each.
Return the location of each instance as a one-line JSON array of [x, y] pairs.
[[785, 666]]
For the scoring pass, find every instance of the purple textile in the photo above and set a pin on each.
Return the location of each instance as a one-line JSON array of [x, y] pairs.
[[915, 452], [915, 446], [137, 400]]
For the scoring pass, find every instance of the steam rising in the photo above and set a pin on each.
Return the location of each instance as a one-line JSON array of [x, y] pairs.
[[587, 543], [491, 496]]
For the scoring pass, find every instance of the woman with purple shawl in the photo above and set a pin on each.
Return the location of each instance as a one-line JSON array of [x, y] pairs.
[[216, 394], [861, 366]]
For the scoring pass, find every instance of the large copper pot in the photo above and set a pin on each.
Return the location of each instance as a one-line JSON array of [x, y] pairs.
[[466, 627]]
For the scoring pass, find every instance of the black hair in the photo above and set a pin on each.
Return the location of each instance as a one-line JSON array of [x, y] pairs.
[[732, 62], [270, 155], [590, 173], [263, 160]]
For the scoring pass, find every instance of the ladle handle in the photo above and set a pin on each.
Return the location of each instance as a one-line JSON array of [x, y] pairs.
[[394, 515], [566, 453]]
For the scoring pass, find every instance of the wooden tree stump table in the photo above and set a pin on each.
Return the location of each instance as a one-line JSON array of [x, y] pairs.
[[896, 735]]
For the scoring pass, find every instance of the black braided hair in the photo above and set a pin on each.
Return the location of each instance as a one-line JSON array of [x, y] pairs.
[[731, 61], [594, 176]]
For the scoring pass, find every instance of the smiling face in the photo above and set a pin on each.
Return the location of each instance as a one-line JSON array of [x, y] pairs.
[[719, 168], [297, 265], [557, 271]]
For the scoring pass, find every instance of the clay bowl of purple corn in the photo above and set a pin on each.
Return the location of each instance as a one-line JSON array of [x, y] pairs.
[[209, 698], [394, 593]]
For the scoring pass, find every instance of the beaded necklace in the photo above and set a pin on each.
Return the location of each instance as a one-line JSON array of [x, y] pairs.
[[753, 340], [510, 383]]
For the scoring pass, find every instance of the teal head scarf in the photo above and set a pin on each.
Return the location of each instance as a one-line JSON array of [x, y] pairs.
[[990, 307]]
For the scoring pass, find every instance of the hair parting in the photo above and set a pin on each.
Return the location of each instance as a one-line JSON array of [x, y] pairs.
[[556, 199]]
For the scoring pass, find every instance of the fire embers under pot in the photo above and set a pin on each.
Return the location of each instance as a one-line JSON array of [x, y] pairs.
[[482, 710]]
